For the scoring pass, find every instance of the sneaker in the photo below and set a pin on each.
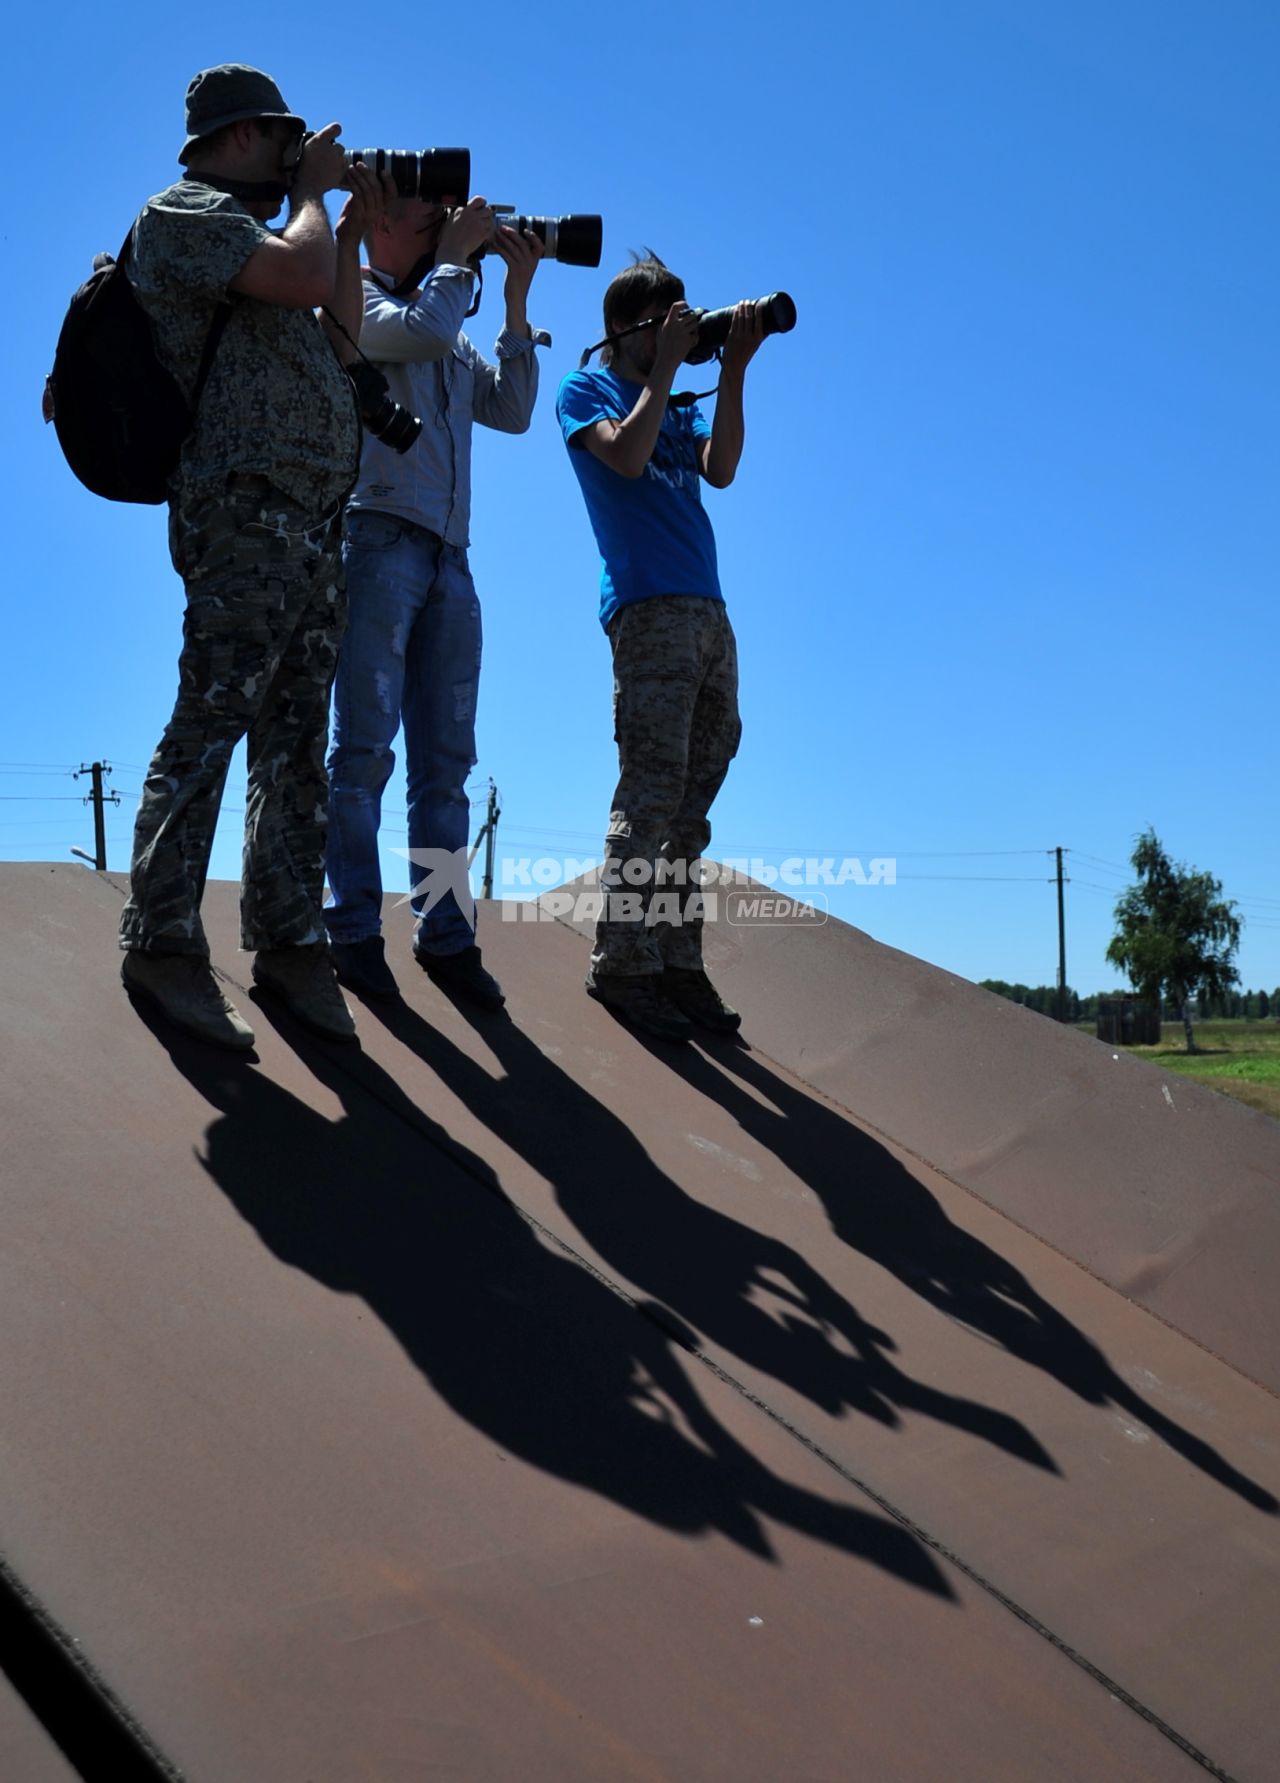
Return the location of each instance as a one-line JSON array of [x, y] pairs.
[[693, 992], [640, 1002], [462, 975], [302, 979], [182, 987], [362, 967]]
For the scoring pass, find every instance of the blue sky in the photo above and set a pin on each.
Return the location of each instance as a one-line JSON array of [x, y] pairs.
[[1002, 553]]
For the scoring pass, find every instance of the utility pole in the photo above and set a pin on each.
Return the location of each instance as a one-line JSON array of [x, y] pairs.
[[97, 769], [1062, 946], [489, 836], [491, 833]]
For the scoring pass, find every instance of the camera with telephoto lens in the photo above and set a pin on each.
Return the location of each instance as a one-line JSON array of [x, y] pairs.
[[433, 174], [573, 240], [777, 312], [382, 415]]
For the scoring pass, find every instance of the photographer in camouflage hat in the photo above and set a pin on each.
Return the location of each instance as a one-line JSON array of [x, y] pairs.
[[254, 532]]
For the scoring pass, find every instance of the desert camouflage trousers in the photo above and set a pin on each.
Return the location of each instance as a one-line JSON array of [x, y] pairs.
[[675, 709], [266, 608]]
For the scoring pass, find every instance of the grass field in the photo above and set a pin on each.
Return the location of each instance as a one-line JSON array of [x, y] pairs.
[[1242, 1059]]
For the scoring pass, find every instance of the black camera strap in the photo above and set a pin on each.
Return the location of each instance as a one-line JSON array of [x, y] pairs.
[[247, 191], [685, 399], [354, 345], [417, 273], [221, 317], [413, 278], [621, 334], [678, 399]]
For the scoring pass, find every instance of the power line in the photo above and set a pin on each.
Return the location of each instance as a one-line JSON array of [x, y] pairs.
[[1097, 860], [966, 854], [32, 823]]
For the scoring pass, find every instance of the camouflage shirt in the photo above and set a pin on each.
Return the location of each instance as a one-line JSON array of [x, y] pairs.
[[277, 403]]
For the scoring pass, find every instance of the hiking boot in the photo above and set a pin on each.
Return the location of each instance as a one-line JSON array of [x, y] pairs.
[[362, 967], [462, 975], [182, 987], [302, 979], [693, 992], [640, 1003]]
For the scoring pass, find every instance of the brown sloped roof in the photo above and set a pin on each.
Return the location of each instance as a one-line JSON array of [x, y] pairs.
[[1166, 1190], [506, 1398], [28, 1752]]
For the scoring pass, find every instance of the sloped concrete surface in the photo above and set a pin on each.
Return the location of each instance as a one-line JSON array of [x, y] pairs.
[[504, 1398], [26, 1751], [1166, 1190]]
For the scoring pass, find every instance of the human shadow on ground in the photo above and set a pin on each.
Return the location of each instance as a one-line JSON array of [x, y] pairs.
[[519, 1339], [880, 1209], [748, 1294]]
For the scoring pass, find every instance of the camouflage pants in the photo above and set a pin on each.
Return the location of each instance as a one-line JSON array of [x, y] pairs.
[[266, 608], [675, 706]]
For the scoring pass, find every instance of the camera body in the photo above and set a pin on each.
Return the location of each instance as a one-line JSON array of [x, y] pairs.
[[436, 175], [382, 415], [777, 312]]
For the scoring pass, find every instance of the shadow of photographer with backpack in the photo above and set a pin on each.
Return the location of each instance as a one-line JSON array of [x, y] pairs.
[[271, 448]]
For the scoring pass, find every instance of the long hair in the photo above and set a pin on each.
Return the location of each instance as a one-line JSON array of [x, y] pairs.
[[644, 284]]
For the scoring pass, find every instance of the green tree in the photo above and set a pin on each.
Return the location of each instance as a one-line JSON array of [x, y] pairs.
[[1175, 933]]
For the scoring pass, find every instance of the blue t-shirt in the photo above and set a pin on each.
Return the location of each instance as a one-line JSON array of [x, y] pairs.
[[652, 531]]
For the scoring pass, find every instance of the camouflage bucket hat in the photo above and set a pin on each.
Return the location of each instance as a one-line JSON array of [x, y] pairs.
[[227, 95]]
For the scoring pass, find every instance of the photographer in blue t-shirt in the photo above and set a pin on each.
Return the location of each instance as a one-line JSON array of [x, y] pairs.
[[640, 460]]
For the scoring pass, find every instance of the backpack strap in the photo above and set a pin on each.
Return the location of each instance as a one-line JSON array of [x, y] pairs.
[[222, 316]]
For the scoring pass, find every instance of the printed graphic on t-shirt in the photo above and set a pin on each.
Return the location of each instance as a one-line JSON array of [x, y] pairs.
[[673, 462]]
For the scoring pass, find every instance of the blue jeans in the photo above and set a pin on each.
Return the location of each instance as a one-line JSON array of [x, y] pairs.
[[412, 651]]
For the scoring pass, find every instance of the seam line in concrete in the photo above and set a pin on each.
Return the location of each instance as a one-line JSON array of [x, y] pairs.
[[1003, 1213], [460, 1160]]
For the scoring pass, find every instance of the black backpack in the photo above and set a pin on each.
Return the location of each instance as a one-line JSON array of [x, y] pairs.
[[120, 416]]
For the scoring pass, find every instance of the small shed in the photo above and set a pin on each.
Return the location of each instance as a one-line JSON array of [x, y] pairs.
[[1124, 1021]]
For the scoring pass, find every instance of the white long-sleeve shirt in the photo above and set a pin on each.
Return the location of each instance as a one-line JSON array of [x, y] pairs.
[[434, 371]]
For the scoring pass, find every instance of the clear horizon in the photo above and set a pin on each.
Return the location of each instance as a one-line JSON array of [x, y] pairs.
[[1003, 545]]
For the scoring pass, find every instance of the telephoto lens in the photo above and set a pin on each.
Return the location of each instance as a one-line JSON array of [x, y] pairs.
[[433, 174], [573, 240], [777, 312], [385, 419]]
